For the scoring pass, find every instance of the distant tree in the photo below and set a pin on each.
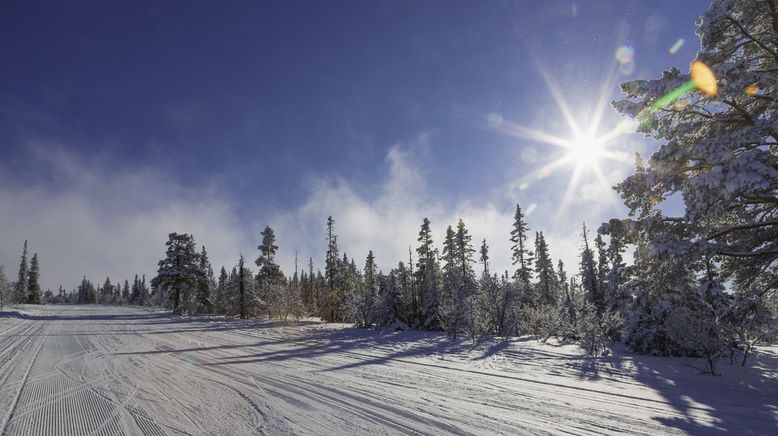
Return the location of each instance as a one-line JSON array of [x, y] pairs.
[[222, 297], [4, 288], [363, 301], [34, 295], [271, 281], [589, 281], [427, 279], [178, 272], [106, 292], [21, 292], [205, 284], [125, 293], [86, 293], [459, 281], [330, 306], [521, 256], [546, 293], [602, 266], [243, 291], [390, 308]]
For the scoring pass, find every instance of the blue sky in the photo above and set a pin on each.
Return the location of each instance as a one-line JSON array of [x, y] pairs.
[[121, 123]]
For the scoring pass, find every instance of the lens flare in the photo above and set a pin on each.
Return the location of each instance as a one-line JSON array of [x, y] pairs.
[[495, 119], [625, 54], [704, 79], [677, 46]]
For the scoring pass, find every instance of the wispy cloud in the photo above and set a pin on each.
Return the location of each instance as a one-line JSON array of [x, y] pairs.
[[90, 216]]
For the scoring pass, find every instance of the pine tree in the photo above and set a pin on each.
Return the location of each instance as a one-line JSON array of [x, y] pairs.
[[125, 296], [178, 272], [4, 288], [718, 152], [602, 264], [546, 287], [459, 282], [427, 272], [330, 304], [21, 291], [589, 280], [521, 256], [363, 304], [205, 285], [106, 292], [390, 309], [34, 289], [494, 300], [222, 299], [270, 279]]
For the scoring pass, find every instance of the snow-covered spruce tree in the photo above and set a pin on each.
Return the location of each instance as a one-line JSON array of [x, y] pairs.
[[86, 293], [718, 151], [588, 273], [106, 292], [362, 302], [330, 306], [456, 299], [406, 284], [309, 290], [205, 284], [602, 267], [20, 287], [126, 292], [221, 298], [617, 296], [494, 302], [34, 295], [244, 297], [521, 256], [567, 322], [4, 288], [546, 287], [178, 272], [271, 282], [427, 280], [391, 307]]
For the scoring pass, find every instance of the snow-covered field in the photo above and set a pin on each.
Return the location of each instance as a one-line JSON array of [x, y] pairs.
[[107, 370]]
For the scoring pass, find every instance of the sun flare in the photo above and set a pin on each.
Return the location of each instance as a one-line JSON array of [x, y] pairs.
[[585, 150]]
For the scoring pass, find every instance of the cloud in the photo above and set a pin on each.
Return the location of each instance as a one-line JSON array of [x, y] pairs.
[[388, 221], [86, 217], [93, 217]]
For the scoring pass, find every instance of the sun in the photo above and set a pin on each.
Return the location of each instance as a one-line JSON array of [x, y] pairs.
[[585, 150]]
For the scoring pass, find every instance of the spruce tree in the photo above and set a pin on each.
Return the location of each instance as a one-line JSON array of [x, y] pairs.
[[221, 292], [270, 279], [34, 295], [205, 285], [521, 256], [589, 283], [602, 264], [4, 288], [364, 299], [427, 271], [459, 280], [243, 312], [330, 302], [178, 272], [546, 287], [20, 288]]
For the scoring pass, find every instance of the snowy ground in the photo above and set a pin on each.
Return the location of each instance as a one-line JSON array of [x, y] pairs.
[[105, 370]]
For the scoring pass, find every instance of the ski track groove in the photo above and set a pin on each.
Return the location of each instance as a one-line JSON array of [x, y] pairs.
[[218, 377]]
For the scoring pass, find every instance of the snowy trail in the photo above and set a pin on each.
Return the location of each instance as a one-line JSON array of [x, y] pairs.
[[91, 370]]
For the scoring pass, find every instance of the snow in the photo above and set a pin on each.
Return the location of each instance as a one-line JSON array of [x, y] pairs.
[[110, 370]]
